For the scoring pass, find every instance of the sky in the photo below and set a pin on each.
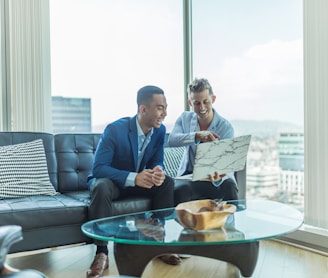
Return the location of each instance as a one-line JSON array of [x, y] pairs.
[[250, 51]]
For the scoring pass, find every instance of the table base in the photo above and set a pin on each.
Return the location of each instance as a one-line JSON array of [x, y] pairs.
[[132, 259]]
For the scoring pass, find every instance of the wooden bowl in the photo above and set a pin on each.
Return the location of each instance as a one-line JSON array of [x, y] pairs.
[[203, 214]]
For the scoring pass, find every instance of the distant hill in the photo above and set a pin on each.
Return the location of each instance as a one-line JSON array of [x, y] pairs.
[[264, 129]]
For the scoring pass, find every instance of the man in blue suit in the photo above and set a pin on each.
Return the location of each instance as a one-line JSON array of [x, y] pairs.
[[129, 162]]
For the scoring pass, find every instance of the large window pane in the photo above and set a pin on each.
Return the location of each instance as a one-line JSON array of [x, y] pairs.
[[252, 53], [105, 50]]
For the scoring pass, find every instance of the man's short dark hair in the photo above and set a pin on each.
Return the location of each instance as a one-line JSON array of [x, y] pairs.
[[198, 85], [145, 94]]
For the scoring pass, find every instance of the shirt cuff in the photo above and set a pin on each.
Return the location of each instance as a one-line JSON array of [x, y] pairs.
[[130, 180], [217, 183]]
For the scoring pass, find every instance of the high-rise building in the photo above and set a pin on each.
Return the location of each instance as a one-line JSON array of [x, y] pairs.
[[71, 114], [263, 181], [291, 162], [291, 151]]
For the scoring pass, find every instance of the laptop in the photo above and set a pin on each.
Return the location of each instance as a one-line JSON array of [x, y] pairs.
[[224, 156]]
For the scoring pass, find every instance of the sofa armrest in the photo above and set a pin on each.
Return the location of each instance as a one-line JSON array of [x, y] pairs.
[[241, 181]]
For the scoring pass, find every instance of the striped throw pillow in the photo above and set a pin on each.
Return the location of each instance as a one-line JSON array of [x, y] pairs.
[[172, 158], [24, 171]]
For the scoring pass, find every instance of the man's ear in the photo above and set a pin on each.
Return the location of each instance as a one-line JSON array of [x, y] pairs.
[[189, 102], [142, 109], [213, 99]]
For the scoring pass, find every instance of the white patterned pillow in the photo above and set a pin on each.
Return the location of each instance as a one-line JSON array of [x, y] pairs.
[[172, 158], [24, 171]]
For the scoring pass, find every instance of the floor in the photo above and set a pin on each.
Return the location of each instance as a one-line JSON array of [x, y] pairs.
[[276, 259]]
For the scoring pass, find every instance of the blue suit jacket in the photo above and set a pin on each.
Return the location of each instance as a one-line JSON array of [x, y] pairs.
[[117, 152]]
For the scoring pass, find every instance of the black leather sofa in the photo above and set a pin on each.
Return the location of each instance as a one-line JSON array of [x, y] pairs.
[[49, 221]]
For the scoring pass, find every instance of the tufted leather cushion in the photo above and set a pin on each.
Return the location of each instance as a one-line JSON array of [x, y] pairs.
[[75, 154], [42, 211]]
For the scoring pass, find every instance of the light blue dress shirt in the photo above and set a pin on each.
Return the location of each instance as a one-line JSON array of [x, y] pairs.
[[183, 134]]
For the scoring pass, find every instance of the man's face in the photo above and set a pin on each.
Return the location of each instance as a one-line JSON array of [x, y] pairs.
[[154, 113], [202, 103]]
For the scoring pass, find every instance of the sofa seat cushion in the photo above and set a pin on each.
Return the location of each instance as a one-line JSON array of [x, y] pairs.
[[42, 211], [122, 206]]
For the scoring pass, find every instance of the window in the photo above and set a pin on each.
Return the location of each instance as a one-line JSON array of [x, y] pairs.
[[252, 54], [106, 50]]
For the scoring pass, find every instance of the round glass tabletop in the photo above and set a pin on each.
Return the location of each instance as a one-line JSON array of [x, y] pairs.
[[254, 220]]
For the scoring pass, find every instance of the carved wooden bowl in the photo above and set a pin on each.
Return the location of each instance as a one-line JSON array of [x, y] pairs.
[[203, 214]]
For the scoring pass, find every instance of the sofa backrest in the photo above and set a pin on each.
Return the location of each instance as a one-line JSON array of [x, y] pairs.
[[75, 153], [16, 137], [70, 158]]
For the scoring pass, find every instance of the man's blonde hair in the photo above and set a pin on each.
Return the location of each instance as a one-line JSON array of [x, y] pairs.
[[198, 85]]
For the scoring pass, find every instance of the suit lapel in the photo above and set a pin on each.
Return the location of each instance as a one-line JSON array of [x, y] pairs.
[[133, 137]]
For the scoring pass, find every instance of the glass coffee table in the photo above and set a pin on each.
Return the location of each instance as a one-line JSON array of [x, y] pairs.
[[139, 237]]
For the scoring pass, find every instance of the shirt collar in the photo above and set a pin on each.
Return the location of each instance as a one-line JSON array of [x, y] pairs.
[[140, 132]]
